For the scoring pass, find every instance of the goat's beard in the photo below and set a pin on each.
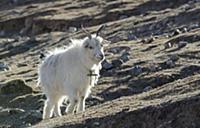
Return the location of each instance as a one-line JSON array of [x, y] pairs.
[[97, 60]]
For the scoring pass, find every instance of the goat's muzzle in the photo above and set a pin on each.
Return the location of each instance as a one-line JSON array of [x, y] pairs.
[[100, 57]]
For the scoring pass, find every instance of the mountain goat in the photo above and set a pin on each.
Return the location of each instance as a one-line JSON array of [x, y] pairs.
[[70, 73]]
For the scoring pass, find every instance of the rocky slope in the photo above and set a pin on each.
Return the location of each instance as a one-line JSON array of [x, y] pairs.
[[150, 78]]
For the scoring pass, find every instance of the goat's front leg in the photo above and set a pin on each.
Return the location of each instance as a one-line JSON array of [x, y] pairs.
[[81, 104], [48, 109], [71, 107]]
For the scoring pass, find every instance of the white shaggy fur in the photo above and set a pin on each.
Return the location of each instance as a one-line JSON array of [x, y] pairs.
[[64, 74]]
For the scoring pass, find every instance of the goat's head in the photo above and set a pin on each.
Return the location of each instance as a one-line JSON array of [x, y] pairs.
[[93, 46]]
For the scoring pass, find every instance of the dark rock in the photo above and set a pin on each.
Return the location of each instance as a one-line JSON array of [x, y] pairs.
[[123, 17], [106, 65], [136, 70], [117, 62], [153, 67], [170, 63], [22, 64], [144, 40], [3, 67], [148, 40], [125, 56], [182, 44], [147, 88], [17, 86], [174, 57], [131, 36]]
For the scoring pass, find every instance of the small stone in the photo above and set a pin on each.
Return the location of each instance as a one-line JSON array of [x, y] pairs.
[[182, 44], [117, 62], [168, 45], [149, 40], [72, 29], [152, 39], [28, 124], [14, 1], [153, 67], [2, 33], [106, 65], [144, 40], [96, 123], [170, 63], [174, 57], [17, 86], [194, 26], [36, 114], [114, 50], [124, 58], [184, 29], [147, 88], [123, 17], [136, 70], [131, 36], [3, 66], [176, 32], [22, 64]]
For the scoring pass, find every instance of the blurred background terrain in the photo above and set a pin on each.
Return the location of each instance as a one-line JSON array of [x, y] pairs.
[[151, 76]]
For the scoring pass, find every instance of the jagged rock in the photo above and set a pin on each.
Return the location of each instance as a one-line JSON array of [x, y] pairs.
[[17, 86]]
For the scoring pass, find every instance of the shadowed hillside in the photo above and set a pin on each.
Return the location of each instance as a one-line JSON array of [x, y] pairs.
[[151, 76]]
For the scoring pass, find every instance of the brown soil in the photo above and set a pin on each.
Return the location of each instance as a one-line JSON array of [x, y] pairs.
[[158, 87]]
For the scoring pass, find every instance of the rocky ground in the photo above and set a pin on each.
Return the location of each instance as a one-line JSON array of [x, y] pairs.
[[151, 76]]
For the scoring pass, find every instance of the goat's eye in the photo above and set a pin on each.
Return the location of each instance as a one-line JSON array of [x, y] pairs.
[[90, 47], [101, 45]]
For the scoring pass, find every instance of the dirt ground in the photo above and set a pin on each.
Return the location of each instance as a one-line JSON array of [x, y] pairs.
[[154, 56]]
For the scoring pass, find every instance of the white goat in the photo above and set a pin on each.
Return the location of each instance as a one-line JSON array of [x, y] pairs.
[[70, 73]]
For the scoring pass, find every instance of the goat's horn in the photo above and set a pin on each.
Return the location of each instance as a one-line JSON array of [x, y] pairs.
[[98, 31], [88, 33]]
